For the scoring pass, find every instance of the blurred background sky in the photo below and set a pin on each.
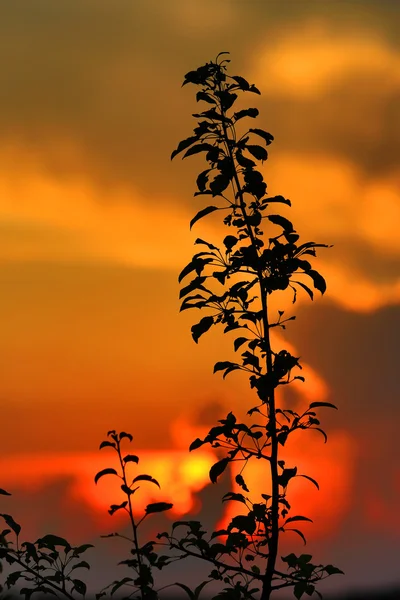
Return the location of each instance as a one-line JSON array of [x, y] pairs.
[[94, 230]]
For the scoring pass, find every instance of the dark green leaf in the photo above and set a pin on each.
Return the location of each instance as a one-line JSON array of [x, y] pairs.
[[157, 507], [123, 434], [202, 213], [4, 493], [108, 471], [217, 469]]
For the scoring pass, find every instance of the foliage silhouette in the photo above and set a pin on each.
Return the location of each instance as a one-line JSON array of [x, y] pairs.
[[244, 555], [266, 268]]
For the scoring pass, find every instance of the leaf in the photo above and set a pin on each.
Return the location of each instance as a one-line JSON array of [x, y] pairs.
[[196, 284], [105, 444], [331, 570], [264, 134], [310, 479], [197, 149], [131, 458], [282, 221], [184, 144], [243, 523], [210, 246], [81, 565], [299, 533], [123, 434], [257, 151], [234, 496], [145, 478], [318, 404], [297, 518], [196, 444], [279, 199], [80, 586], [229, 242], [247, 112], [52, 541], [4, 493], [243, 84], [240, 481], [82, 549], [115, 507], [202, 213], [202, 179], [318, 280], [157, 507], [203, 96], [219, 184], [108, 471], [306, 288], [238, 342], [11, 523], [217, 469], [201, 327], [224, 364]]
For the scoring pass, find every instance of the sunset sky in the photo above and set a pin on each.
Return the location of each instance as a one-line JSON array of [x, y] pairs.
[[94, 230]]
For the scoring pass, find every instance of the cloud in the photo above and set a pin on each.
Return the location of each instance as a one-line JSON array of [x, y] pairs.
[[93, 90]]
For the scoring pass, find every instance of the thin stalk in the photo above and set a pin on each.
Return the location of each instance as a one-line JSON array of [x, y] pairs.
[[274, 538], [132, 520]]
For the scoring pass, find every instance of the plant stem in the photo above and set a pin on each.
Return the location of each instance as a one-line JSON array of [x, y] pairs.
[[134, 526], [270, 401]]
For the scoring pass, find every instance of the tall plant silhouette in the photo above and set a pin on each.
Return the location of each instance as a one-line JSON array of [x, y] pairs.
[[266, 265]]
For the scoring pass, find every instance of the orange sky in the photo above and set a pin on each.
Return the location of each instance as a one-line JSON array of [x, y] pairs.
[[94, 229]]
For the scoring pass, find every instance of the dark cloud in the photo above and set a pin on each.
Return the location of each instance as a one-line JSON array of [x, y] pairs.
[[93, 88]]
